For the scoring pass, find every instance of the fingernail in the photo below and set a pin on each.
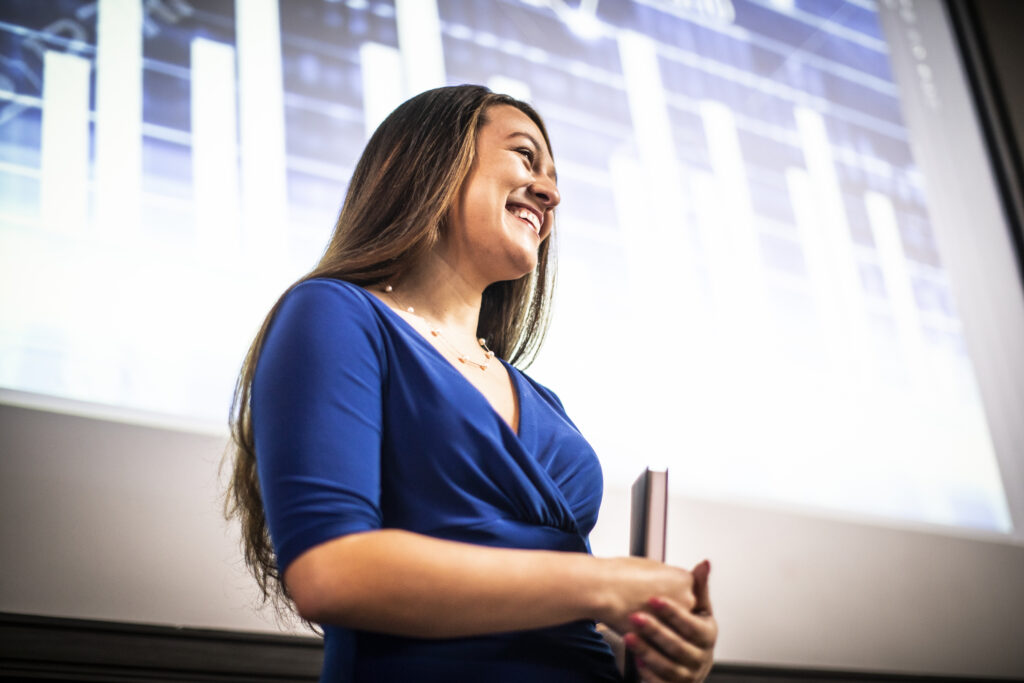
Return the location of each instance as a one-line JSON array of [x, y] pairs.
[[631, 640], [638, 619], [656, 602], [640, 664]]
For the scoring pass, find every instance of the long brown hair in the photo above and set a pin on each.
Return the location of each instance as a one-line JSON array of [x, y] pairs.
[[401, 192]]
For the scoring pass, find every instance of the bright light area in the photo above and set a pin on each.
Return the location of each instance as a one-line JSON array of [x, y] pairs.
[[777, 333]]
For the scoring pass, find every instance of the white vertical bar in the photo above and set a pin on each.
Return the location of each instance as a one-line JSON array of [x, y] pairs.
[[261, 119], [419, 40], [726, 155], [381, 69], [215, 148], [728, 221], [663, 239], [64, 192], [824, 288], [647, 106], [635, 213], [831, 221], [882, 218], [509, 86], [118, 116]]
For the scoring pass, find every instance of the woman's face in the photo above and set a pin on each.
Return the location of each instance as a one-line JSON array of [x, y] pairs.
[[505, 208]]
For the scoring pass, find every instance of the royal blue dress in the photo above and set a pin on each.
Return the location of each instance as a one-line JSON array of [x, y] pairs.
[[361, 424]]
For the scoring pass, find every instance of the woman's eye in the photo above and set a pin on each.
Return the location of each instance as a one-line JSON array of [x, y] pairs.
[[526, 152]]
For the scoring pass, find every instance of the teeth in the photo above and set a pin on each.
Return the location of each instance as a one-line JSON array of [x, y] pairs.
[[528, 216]]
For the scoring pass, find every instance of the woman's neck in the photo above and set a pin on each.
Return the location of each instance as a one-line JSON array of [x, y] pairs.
[[441, 295]]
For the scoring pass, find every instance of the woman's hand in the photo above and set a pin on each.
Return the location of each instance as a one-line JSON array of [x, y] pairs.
[[630, 582], [671, 642]]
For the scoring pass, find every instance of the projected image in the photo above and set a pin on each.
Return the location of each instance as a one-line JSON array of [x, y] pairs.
[[750, 290]]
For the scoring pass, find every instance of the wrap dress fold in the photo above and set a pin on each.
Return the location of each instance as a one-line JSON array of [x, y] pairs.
[[361, 424]]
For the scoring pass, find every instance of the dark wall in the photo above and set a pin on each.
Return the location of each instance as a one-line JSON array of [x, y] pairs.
[[989, 33], [1000, 23]]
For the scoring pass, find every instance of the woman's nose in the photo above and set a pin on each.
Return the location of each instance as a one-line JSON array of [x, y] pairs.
[[545, 189]]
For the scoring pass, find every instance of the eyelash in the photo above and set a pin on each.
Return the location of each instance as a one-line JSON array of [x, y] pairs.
[[526, 152]]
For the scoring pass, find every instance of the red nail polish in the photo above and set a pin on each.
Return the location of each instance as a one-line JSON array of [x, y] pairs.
[[640, 664], [656, 603], [638, 619]]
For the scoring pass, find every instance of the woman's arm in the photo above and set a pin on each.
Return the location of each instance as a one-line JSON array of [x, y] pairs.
[[408, 584]]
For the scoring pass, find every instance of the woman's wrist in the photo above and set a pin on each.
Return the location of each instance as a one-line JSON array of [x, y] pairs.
[[580, 582], [596, 589]]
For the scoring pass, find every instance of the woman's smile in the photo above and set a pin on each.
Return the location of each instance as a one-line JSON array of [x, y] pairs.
[[529, 215]]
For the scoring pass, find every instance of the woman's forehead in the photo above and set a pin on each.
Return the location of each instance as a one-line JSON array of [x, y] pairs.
[[503, 120]]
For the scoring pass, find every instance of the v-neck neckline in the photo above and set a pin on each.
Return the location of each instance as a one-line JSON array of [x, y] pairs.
[[517, 395]]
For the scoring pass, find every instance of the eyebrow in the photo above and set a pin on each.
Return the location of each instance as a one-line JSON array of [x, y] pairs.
[[538, 147]]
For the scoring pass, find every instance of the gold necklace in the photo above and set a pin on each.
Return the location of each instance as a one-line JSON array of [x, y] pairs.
[[436, 332]]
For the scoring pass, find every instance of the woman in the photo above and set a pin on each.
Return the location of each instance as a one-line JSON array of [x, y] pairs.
[[396, 477]]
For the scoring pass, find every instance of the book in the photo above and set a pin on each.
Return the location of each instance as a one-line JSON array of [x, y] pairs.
[[649, 515], [648, 522]]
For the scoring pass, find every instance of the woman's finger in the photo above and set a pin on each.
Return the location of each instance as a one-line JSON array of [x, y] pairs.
[[700, 587], [648, 676], [699, 629], [652, 636], [654, 665]]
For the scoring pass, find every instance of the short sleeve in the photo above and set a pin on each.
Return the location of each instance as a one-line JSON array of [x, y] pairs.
[[317, 417]]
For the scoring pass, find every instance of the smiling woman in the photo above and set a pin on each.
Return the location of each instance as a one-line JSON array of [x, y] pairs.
[[506, 207], [429, 508]]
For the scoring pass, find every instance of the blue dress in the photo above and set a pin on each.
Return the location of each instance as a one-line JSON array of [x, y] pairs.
[[361, 424]]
